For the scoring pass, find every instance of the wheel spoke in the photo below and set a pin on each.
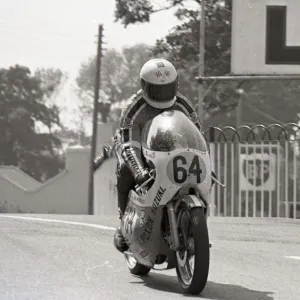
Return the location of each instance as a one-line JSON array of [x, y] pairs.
[[193, 257], [131, 261], [183, 257], [191, 265]]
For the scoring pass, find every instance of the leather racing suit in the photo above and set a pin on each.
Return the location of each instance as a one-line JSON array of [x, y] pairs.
[[135, 115]]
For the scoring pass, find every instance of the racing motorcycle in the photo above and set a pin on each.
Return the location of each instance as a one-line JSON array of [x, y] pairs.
[[165, 222]]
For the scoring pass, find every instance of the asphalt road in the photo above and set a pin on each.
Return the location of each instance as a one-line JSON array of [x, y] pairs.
[[52, 260]]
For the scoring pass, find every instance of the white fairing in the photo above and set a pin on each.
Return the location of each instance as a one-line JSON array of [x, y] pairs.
[[163, 165], [177, 169]]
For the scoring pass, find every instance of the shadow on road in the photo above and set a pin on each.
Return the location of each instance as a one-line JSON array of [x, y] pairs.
[[221, 291], [212, 291]]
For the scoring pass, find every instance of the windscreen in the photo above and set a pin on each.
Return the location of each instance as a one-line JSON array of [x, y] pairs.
[[172, 130]]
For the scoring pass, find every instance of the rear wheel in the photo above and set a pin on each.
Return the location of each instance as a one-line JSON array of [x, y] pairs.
[[136, 268], [192, 260]]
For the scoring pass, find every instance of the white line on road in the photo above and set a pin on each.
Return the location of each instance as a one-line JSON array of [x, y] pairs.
[[293, 257], [61, 221]]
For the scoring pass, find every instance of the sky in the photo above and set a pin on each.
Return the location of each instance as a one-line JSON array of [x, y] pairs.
[[63, 34]]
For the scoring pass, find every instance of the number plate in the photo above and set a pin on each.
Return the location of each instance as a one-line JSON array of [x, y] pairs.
[[187, 167]]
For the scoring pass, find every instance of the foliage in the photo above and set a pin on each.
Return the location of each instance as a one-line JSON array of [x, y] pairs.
[[119, 76], [22, 106], [51, 82], [181, 45], [69, 137]]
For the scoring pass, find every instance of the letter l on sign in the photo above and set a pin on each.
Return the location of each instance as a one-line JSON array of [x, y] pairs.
[[277, 53]]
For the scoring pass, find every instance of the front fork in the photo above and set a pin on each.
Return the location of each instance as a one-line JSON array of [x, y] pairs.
[[191, 201], [173, 226]]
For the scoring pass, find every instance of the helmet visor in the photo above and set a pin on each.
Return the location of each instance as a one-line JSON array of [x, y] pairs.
[[161, 92]]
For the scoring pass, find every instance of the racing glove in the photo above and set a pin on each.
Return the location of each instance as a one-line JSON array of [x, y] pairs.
[[101, 158]]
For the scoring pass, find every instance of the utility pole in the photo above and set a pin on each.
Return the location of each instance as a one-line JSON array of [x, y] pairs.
[[201, 90], [95, 121], [239, 108]]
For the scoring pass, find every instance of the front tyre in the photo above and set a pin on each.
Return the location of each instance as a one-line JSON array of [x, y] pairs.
[[136, 268], [194, 243]]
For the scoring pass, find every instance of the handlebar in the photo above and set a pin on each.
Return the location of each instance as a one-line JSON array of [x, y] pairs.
[[218, 182]]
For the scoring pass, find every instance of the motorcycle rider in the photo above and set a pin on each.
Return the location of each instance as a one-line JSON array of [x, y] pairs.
[[159, 92]]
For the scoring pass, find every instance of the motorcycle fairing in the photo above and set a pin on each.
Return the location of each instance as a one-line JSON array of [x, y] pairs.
[[174, 147], [141, 224]]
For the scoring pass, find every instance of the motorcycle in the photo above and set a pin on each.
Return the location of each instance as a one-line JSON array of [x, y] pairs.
[[165, 221]]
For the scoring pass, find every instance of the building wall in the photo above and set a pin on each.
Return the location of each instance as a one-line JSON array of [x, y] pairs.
[[67, 193], [64, 194], [105, 192]]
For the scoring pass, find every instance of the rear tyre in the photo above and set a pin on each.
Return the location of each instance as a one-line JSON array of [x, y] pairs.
[[194, 242], [136, 268]]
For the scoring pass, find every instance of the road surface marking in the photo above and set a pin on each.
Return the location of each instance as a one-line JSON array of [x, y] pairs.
[[61, 221], [293, 257]]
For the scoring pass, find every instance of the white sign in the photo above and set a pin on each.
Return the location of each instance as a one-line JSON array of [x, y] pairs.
[[265, 37], [257, 172]]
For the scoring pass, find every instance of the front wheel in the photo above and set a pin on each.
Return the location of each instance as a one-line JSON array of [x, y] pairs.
[[192, 260], [136, 268]]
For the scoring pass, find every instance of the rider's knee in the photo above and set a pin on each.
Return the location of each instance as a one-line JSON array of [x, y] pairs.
[[125, 180]]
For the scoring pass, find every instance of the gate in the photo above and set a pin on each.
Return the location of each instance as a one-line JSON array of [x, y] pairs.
[[260, 167]]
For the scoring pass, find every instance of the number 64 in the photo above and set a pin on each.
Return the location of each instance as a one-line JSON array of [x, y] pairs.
[[181, 173]]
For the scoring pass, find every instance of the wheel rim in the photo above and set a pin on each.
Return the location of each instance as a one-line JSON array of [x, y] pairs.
[[131, 261], [185, 256]]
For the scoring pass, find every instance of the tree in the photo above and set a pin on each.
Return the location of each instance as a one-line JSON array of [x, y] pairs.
[[119, 75], [183, 40], [181, 46], [52, 81], [69, 137], [134, 58], [22, 106]]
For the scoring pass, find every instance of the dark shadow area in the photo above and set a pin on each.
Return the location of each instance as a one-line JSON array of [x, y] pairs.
[[221, 291], [212, 291]]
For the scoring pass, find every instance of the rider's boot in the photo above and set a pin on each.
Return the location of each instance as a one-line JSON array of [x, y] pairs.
[[119, 241]]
